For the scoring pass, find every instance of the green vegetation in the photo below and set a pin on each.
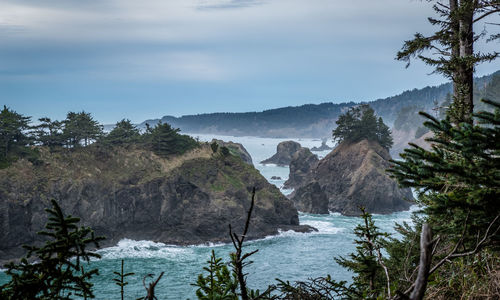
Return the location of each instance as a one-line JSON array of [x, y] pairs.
[[165, 140], [360, 123], [14, 138], [120, 281], [124, 133], [57, 271], [19, 139], [219, 283]]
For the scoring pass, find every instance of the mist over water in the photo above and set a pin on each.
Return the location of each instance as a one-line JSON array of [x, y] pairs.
[[289, 256]]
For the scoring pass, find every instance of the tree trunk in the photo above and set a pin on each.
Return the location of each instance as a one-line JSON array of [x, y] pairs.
[[462, 18]]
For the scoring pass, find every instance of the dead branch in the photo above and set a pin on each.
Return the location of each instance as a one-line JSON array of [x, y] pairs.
[[238, 259], [426, 246], [151, 289]]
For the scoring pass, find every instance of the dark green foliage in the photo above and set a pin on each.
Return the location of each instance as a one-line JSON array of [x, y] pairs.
[[57, 271], [360, 123], [124, 133], [214, 147], [225, 151], [14, 139], [369, 280], [219, 283], [459, 178], [450, 50], [165, 140], [80, 128], [120, 281], [49, 133]]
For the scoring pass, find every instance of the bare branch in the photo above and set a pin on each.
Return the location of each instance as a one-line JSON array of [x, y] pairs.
[[424, 264]]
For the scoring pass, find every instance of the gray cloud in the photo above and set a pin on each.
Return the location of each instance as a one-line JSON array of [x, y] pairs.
[[227, 4]]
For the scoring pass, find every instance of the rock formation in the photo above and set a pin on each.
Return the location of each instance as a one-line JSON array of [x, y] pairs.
[[237, 149], [302, 162], [132, 193], [350, 176], [284, 153], [323, 147]]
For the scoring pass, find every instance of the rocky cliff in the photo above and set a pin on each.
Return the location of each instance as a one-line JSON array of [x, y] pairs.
[[352, 175], [132, 193], [302, 162], [236, 149], [284, 152]]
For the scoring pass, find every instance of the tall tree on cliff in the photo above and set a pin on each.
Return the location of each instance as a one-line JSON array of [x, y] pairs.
[[452, 48], [81, 127], [13, 136]]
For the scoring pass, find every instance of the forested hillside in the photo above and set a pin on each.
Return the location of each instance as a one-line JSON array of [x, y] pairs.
[[314, 120]]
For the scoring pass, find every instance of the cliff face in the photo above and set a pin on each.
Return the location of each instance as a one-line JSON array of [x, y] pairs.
[[302, 162], [352, 175], [135, 194], [284, 153], [237, 149]]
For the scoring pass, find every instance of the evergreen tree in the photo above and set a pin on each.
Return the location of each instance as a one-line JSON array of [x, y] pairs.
[[80, 127], [369, 278], [459, 177], [124, 133], [360, 123], [120, 281], [49, 133], [452, 48], [165, 140], [57, 271], [13, 136], [219, 283]]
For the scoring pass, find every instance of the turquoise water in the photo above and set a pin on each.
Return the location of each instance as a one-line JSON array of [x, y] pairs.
[[288, 256]]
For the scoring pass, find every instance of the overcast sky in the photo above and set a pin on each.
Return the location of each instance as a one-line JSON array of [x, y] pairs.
[[145, 59]]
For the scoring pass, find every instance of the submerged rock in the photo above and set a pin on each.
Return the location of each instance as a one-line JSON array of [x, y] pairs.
[[284, 153], [132, 193], [302, 162], [350, 176]]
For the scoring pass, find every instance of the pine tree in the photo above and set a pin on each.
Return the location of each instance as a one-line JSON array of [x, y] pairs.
[[14, 137], [452, 49], [49, 133], [80, 127], [55, 270], [369, 278], [459, 177], [219, 283], [165, 140], [120, 281], [360, 122], [124, 133]]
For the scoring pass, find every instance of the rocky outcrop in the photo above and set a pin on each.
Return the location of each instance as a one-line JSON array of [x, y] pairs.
[[132, 193], [236, 149], [312, 199], [350, 176], [323, 147], [284, 152], [302, 162]]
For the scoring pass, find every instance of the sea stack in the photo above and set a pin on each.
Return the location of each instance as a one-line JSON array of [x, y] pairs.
[[284, 153], [352, 175]]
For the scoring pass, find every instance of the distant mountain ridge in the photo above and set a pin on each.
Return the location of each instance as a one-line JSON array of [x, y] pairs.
[[309, 120]]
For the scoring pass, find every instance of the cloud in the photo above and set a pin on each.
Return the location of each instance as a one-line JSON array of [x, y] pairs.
[[227, 4]]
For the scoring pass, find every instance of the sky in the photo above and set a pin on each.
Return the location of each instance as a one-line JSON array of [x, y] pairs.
[[146, 59]]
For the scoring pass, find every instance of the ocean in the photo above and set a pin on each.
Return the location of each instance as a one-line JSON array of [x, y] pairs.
[[288, 256]]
